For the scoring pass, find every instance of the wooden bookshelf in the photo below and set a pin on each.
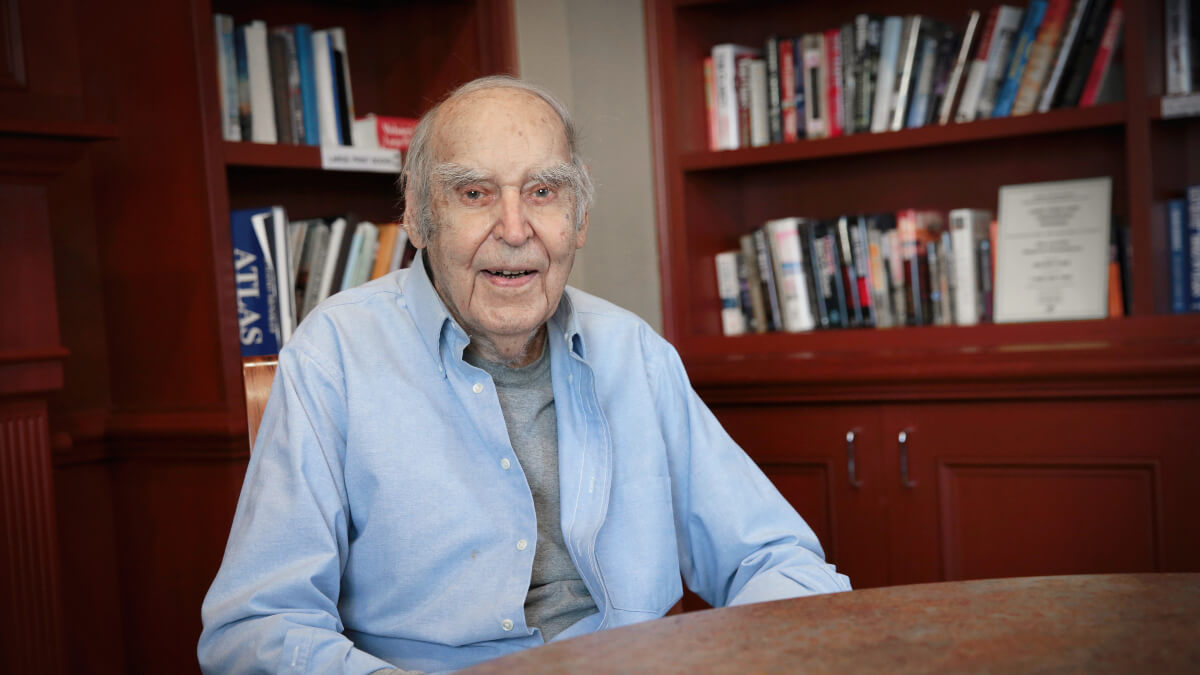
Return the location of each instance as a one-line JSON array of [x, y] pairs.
[[978, 404]]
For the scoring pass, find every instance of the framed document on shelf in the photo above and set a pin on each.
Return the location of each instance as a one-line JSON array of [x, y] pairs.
[[1052, 251]]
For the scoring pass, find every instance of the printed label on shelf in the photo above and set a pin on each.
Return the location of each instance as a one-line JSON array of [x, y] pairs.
[[348, 158], [1187, 105]]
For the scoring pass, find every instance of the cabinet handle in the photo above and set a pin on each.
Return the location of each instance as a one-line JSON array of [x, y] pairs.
[[902, 440], [854, 481]]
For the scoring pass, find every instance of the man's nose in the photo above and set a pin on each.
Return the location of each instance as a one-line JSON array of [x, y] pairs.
[[512, 228]]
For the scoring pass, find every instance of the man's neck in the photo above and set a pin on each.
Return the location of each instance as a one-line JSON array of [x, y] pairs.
[[516, 352]]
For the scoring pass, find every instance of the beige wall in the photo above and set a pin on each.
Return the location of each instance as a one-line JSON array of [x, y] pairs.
[[592, 54]]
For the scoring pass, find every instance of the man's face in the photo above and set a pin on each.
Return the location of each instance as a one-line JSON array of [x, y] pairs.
[[504, 240]]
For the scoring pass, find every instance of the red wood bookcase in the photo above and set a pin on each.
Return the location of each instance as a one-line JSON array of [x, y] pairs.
[[1044, 448], [122, 420]]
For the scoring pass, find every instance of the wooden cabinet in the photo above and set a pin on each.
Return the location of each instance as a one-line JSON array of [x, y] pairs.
[[1041, 448]]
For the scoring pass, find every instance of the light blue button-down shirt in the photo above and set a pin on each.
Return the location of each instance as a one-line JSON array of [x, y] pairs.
[[384, 519]]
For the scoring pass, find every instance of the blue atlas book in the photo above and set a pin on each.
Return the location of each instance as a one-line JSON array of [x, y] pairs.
[[254, 279]]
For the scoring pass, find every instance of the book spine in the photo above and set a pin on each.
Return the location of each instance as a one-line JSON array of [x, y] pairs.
[[1091, 34], [787, 84], [758, 308], [848, 104], [762, 253], [1062, 58], [1104, 56], [774, 92], [1022, 46], [1178, 50], [910, 49], [961, 62], [814, 99], [710, 104], [1049, 37], [799, 83], [880, 294], [1193, 247], [823, 272], [914, 303], [848, 274], [788, 259], [867, 36], [1177, 224], [918, 109], [245, 111], [946, 48], [308, 85], [860, 254], [744, 78], [835, 114], [760, 125], [231, 129], [885, 74], [262, 103], [345, 93], [254, 283], [323, 76], [732, 321], [280, 92], [1004, 39], [337, 232], [743, 286]]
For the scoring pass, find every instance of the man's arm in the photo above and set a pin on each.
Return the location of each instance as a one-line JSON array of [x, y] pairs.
[[740, 540], [273, 605]]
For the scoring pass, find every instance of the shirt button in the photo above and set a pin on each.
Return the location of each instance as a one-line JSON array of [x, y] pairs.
[[522, 544], [504, 464], [506, 624], [478, 388]]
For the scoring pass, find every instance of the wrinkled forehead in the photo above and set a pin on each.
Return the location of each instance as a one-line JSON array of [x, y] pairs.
[[500, 122]]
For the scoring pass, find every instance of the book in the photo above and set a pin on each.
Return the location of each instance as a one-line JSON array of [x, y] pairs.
[[312, 268], [1178, 29], [283, 41], [245, 112], [710, 103], [725, 67], [798, 83], [343, 92], [1064, 55], [848, 103], [1091, 33], [766, 271], [945, 53], [1193, 247], [968, 227], [954, 84], [789, 269], [379, 131], [1041, 54], [277, 233], [744, 78], [868, 31], [1000, 54], [732, 320], [280, 90], [1103, 61], [227, 77], [774, 90], [335, 252], [885, 74], [1116, 303], [258, 68], [754, 288], [388, 233], [827, 272], [1006, 94], [787, 90], [760, 126], [327, 115], [1178, 262], [910, 54], [860, 266], [877, 260], [934, 260], [832, 68], [815, 103], [254, 278], [923, 85], [302, 38], [915, 228]]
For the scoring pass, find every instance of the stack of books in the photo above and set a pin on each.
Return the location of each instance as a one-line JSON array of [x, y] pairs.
[[291, 85], [886, 73], [283, 269], [915, 267]]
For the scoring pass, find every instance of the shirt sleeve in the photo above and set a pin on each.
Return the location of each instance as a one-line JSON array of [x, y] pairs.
[[273, 605], [740, 541]]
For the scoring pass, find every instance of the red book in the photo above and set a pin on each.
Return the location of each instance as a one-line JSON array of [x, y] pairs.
[[833, 82], [787, 88], [378, 131], [1104, 56]]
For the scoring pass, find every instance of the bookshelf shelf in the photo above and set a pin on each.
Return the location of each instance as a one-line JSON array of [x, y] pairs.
[[1053, 122], [272, 156]]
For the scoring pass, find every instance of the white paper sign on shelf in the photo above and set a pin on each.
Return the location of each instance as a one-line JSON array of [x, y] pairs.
[[349, 158], [1187, 105], [1052, 250]]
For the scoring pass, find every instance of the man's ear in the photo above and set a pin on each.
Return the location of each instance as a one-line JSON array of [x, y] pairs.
[[409, 223], [581, 232]]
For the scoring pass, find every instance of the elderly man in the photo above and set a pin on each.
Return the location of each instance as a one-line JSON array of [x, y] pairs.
[[461, 460]]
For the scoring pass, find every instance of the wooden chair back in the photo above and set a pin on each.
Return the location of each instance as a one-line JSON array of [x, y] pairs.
[[258, 372]]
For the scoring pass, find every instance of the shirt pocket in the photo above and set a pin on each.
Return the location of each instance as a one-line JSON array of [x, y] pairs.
[[637, 549]]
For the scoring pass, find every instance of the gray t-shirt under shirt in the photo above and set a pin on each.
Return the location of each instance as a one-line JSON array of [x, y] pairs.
[[557, 596]]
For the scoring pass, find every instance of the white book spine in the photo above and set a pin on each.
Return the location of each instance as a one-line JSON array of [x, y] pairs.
[[283, 274], [760, 130], [960, 69], [1062, 57], [326, 100], [337, 231], [885, 76], [1178, 47], [258, 66], [788, 262], [908, 61], [733, 322]]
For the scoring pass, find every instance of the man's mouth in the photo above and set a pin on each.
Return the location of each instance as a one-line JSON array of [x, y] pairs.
[[509, 274]]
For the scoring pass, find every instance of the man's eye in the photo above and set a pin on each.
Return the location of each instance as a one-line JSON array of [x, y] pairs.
[[473, 194], [543, 193]]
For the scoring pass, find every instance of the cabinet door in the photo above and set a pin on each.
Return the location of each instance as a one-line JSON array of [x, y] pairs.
[[832, 481], [1035, 488]]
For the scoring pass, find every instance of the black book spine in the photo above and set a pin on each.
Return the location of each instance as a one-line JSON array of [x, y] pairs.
[[277, 48], [1091, 32], [798, 74], [767, 272], [343, 102], [816, 306], [848, 273]]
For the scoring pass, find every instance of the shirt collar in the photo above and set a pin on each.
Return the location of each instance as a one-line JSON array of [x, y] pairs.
[[435, 324]]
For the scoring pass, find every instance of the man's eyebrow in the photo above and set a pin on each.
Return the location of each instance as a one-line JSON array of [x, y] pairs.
[[455, 176], [563, 173]]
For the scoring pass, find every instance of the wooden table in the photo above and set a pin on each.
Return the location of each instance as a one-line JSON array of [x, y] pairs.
[[1119, 623]]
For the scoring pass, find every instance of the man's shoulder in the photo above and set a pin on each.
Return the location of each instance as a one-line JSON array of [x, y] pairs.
[[347, 313], [599, 317]]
